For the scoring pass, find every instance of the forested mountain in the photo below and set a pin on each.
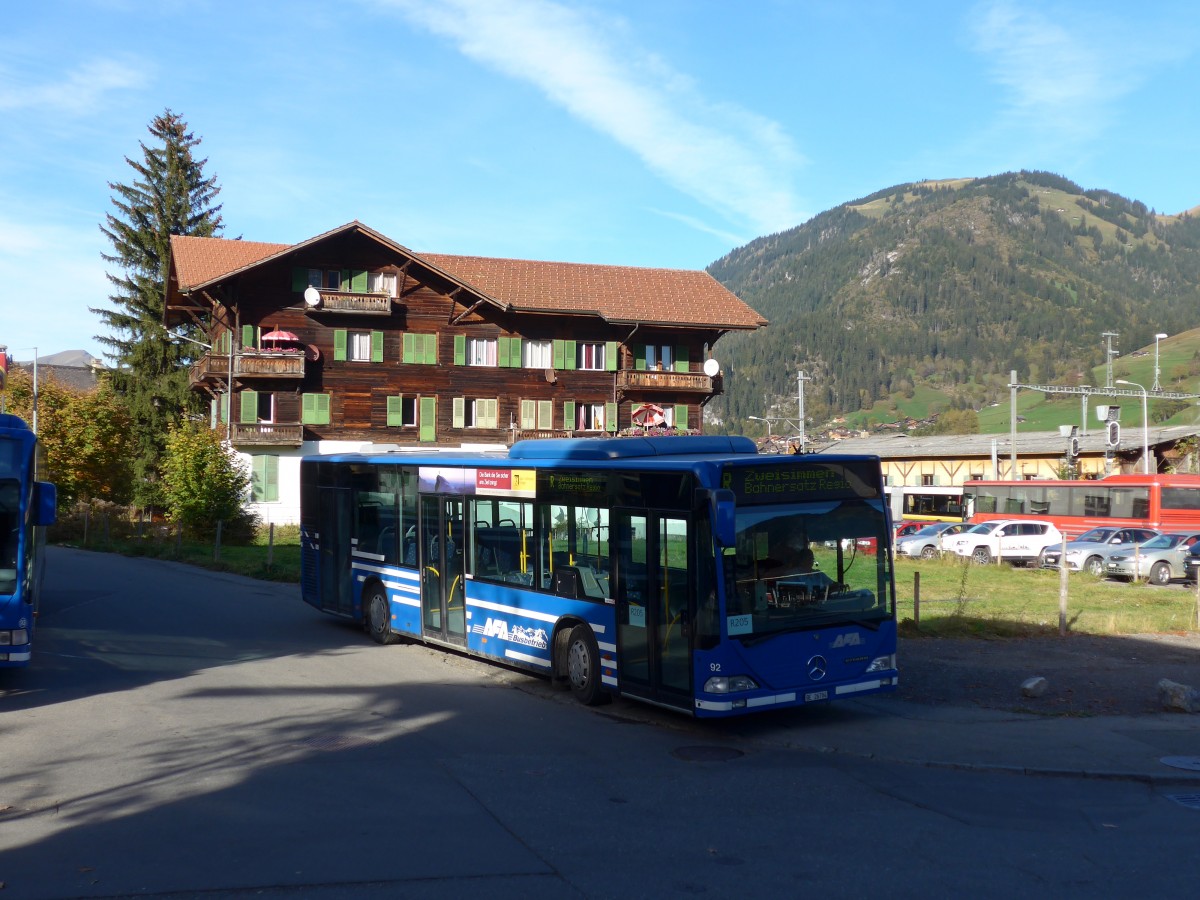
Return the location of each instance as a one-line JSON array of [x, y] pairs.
[[950, 285]]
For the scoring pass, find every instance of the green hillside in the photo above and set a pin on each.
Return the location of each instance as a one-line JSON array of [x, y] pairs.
[[921, 298]]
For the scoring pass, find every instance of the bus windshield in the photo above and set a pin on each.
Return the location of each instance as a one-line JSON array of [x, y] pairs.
[[801, 565]]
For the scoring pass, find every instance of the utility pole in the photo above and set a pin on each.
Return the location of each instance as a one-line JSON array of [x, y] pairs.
[[1109, 353]]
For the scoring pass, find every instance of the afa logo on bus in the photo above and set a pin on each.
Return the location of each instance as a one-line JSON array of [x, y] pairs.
[[498, 628]]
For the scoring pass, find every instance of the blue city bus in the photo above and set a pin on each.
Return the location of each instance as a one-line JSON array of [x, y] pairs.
[[26, 507], [648, 567]]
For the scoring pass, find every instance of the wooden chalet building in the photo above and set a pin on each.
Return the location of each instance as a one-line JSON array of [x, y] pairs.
[[349, 340]]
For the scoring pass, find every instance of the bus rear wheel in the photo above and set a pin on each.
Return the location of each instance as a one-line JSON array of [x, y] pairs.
[[378, 616], [583, 666]]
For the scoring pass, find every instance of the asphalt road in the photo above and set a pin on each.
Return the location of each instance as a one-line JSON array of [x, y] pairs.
[[186, 734]]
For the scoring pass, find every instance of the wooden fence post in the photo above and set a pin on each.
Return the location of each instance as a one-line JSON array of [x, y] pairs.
[[917, 600], [217, 544], [1062, 589], [270, 545]]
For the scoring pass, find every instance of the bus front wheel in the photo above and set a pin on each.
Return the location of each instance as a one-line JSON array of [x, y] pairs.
[[583, 666], [379, 616]]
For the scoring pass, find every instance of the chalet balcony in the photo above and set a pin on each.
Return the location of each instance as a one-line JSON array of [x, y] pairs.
[[539, 434], [351, 302], [249, 364], [637, 381], [262, 434]]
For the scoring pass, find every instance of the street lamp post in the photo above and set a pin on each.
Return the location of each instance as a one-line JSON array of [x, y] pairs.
[[1145, 426], [760, 419], [1157, 338]]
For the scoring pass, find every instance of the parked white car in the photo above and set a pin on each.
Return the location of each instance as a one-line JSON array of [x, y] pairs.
[[1010, 540]]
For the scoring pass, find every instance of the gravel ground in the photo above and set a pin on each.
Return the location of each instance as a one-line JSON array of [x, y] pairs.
[[1087, 674]]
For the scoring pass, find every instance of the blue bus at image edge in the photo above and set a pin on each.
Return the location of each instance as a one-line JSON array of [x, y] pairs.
[[27, 506], [688, 572]]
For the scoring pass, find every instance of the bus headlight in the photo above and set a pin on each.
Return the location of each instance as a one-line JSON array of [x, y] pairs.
[[729, 684], [14, 638], [882, 663]]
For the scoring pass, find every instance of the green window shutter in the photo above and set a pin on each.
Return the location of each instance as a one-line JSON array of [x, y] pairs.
[[248, 337], [610, 416], [407, 345], [681, 415], [314, 409], [299, 278], [568, 414], [249, 407], [395, 411], [610, 356], [514, 352], [489, 410], [559, 351], [639, 362], [502, 348], [570, 358], [265, 478], [528, 415], [339, 344], [545, 414], [458, 412], [431, 349], [376, 346], [681, 359], [460, 349], [221, 408], [358, 282], [344, 281], [428, 422]]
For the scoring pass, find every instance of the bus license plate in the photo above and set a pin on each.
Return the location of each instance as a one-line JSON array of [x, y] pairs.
[[814, 696]]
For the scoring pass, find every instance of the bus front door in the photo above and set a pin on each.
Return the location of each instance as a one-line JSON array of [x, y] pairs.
[[443, 591], [333, 528], [653, 608]]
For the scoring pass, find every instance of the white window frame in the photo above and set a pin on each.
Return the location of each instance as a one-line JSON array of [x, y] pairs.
[[358, 346], [476, 415], [483, 352], [594, 350], [382, 283], [537, 354]]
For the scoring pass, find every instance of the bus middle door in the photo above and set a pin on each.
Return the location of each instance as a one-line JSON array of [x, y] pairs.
[[443, 549], [654, 612]]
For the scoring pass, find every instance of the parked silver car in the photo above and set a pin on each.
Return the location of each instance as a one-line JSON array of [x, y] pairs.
[[926, 543], [1159, 560], [1086, 552]]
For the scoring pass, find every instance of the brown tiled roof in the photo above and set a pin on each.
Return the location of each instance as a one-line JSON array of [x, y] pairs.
[[201, 259], [618, 293], [615, 293]]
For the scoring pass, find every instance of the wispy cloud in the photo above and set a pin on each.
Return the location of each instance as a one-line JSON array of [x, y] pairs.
[[79, 91], [1063, 78], [589, 65]]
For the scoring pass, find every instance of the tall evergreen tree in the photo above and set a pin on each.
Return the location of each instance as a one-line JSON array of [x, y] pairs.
[[169, 195]]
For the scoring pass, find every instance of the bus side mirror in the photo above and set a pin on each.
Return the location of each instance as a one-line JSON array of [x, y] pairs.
[[45, 503], [724, 517]]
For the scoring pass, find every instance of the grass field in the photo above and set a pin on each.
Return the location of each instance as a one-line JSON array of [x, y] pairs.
[[962, 599]]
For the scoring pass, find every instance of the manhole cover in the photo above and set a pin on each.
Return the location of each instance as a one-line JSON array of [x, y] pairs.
[[1192, 763], [1191, 801], [706, 754]]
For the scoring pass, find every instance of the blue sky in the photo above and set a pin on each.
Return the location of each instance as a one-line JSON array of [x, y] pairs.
[[647, 133]]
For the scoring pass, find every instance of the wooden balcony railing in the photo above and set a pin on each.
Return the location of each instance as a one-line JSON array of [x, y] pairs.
[[537, 434], [262, 434], [635, 380], [352, 302], [250, 364]]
